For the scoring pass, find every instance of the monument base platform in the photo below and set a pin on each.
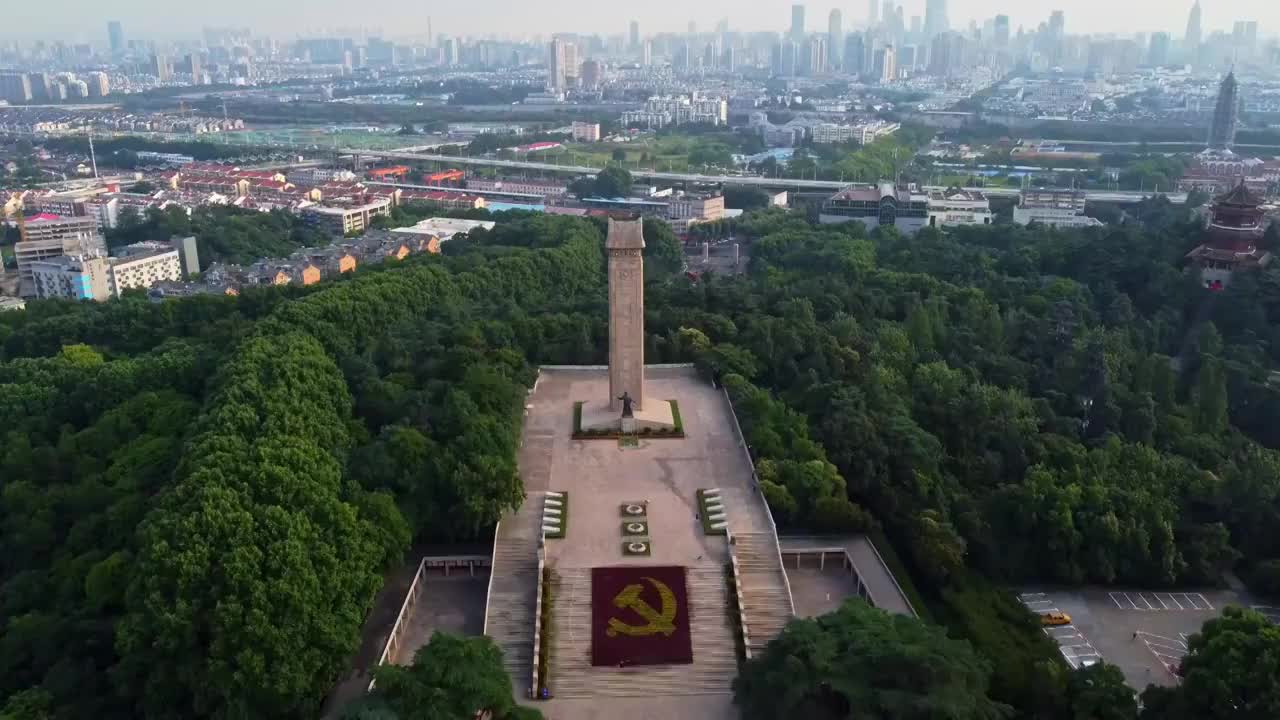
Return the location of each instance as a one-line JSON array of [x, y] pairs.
[[657, 417]]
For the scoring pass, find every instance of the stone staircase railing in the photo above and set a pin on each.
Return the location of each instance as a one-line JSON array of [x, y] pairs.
[[766, 599], [511, 612]]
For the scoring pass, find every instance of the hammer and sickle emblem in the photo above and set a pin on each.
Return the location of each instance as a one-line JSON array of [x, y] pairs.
[[658, 622]]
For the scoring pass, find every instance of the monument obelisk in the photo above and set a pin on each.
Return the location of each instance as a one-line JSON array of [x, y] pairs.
[[625, 245]]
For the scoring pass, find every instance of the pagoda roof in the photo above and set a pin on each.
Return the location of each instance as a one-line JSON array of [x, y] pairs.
[[1239, 195]]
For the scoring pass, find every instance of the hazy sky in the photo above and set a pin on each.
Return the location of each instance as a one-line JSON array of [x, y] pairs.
[[85, 20]]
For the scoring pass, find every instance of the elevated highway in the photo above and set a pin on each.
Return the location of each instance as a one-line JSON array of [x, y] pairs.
[[1118, 196]]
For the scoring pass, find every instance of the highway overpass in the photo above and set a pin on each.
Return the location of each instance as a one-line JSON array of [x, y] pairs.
[[1118, 196]]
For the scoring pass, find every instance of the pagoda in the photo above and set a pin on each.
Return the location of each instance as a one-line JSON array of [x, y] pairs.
[[1236, 224]]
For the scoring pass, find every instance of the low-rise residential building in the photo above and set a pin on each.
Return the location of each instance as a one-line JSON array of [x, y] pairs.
[[863, 134], [955, 206], [1056, 208], [347, 220], [585, 131], [528, 187], [688, 209], [49, 236], [445, 199], [143, 265], [874, 205], [11, 303], [73, 277]]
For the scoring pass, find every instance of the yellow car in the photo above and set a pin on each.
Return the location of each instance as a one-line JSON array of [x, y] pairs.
[[1055, 618]]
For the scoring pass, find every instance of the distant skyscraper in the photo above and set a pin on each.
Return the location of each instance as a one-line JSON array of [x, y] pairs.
[[161, 67], [635, 35], [1192, 39], [855, 52], [935, 17], [1158, 52], [555, 66], [815, 56], [797, 22], [1222, 133], [873, 13], [646, 53], [99, 85], [197, 68], [1057, 24], [115, 35], [886, 67], [835, 37], [1002, 31]]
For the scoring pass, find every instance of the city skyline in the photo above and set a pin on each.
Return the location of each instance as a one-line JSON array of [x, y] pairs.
[[501, 18]]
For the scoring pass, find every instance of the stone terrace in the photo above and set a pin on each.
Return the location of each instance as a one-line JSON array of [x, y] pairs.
[[600, 476]]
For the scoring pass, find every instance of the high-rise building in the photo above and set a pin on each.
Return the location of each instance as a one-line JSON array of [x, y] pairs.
[[635, 35], [854, 54], [835, 37], [1244, 36], [1002, 31], [947, 54], [115, 36], [646, 53], [886, 68], [935, 17], [797, 22], [556, 66], [591, 74], [572, 66], [196, 67], [1057, 24], [99, 85], [1158, 51], [873, 13], [161, 67], [1192, 38], [15, 87], [786, 56], [1226, 113], [41, 87], [815, 56]]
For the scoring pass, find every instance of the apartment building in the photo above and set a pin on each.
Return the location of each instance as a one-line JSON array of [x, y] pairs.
[[143, 265], [347, 220], [48, 236], [688, 209], [74, 277]]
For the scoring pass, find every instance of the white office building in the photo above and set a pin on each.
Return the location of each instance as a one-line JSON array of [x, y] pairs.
[[955, 206]]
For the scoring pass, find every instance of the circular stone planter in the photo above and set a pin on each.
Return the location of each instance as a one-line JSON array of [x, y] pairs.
[[635, 528], [633, 509], [638, 547]]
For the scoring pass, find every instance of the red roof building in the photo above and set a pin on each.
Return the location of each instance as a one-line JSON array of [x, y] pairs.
[[1236, 223]]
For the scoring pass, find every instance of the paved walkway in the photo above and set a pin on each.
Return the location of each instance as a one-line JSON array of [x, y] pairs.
[[879, 582], [600, 476]]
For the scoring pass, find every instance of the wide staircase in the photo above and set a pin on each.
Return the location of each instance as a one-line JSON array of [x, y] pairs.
[[513, 590], [764, 587], [714, 657]]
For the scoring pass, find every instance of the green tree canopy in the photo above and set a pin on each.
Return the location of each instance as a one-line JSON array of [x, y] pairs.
[[861, 662]]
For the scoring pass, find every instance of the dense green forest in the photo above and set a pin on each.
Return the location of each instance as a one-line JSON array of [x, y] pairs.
[[199, 496], [223, 234]]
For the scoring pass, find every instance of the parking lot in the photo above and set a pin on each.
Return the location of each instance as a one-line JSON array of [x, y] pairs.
[[1144, 633], [1075, 647]]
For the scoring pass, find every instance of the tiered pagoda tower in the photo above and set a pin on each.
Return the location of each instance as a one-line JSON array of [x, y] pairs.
[[1236, 224]]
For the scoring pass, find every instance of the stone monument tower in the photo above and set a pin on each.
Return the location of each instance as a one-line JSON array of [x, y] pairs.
[[625, 245]]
